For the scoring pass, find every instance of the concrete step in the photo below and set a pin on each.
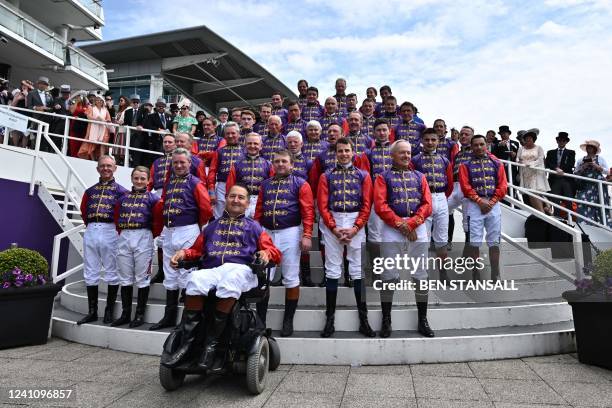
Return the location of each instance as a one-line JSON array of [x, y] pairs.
[[311, 318], [307, 347]]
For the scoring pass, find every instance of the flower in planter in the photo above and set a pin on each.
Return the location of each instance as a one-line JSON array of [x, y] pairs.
[[20, 267]]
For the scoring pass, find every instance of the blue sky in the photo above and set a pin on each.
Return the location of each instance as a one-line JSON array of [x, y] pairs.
[[527, 64]]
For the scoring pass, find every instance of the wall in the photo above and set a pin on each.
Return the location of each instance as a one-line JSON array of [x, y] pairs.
[[25, 220]]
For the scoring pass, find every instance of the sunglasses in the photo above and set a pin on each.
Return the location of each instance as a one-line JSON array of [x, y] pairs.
[[108, 99], [183, 108]]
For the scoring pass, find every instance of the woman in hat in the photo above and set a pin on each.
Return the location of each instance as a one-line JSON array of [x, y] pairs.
[[531, 175], [96, 132], [19, 96], [119, 118], [78, 128], [184, 122], [595, 167]]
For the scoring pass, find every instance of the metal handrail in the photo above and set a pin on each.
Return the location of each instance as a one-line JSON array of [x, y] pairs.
[[56, 253], [600, 186], [578, 254], [65, 137]]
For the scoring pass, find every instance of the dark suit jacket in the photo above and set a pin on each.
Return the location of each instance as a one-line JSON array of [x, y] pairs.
[[57, 124], [33, 100], [153, 122], [129, 115], [501, 152], [568, 160]]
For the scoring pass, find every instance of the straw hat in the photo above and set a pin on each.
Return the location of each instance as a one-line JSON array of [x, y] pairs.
[[593, 143]]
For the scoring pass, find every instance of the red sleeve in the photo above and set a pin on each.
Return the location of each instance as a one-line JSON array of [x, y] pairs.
[[453, 154], [231, 179], [313, 176], [391, 135], [449, 180], [306, 209], [259, 207], [366, 194], [194, 148], [466, 187], [212, 171], [265, 244], [361, 161], [195, 251], [201, 173], [201, 196], [323, 203], [84, 207], [222, 143], [345, 127], [272, 172], [150, 183], [116, 215], [502, 184], [157, 223], [381, 205], [424, 210]]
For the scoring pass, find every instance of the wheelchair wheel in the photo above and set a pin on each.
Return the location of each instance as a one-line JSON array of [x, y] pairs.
[[257, 366], [275, 356], [169, 378]]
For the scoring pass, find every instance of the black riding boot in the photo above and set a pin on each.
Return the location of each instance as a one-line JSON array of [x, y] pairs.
[[92, 301], [362, 308], [421, 302], [126, 306], [305, 271], [213, 338], [290, 306], [331, 294], [170, 312], [386, 304], [188, 327], [141, 305], [111, 298]]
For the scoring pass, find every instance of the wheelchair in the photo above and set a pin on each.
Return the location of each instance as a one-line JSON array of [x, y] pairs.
[[246, 347]]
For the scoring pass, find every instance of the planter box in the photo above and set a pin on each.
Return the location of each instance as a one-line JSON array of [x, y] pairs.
[[593, 324], [26, 314]]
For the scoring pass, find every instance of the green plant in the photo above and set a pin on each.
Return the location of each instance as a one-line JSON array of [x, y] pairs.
[[602, 268], [22, 267]]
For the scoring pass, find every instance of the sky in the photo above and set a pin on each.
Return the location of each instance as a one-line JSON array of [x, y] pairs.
[[543, 64]]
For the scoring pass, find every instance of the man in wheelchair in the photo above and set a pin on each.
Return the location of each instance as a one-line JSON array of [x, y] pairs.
[[225, 247]]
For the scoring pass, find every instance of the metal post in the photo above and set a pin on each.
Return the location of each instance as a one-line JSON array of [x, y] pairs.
[[602, 203], [7, 133], [36, 158], [510, 184], [128, 135], [66, 132], [66, 192]]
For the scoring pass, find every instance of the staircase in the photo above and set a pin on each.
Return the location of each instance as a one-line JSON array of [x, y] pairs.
[[470, 325]]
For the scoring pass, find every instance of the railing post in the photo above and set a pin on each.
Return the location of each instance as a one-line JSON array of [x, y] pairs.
[[66, 192], [510, 182], [36, 154], [66, 132], [602, 203], [128, 137], [7, 132]]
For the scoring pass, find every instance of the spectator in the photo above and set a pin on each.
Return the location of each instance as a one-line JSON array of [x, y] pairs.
[[595, 167], [119, 118], [96, 132], [184, 122], [160, 121], [562, 161], [40, 100], [19, 97], [200, 116], [78, 128], [454, 135], [532, 156], [61, 106], [223, 115], [507, 149], [491, 140], [236, 114]]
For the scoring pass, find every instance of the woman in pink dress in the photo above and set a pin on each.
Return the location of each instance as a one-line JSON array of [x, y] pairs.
[[96, 132]]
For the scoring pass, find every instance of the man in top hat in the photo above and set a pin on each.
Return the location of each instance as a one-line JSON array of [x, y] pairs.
[[562, 161], [134, 115], [507, 149], [223, 116], [160, 121]]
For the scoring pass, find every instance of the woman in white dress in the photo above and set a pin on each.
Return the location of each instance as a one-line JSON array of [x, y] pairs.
[[531, 175]]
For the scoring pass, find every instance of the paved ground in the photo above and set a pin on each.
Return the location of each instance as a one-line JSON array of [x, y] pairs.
[[105, 378]]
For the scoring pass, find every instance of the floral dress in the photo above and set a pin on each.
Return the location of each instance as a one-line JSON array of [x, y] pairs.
[[590, 191]]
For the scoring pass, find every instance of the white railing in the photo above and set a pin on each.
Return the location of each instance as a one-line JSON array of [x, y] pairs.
[[57, 240], [87, 64], [603, 206], [66, 133]]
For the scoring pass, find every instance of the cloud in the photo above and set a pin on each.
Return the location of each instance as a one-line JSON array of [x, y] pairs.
[[483, 62]]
